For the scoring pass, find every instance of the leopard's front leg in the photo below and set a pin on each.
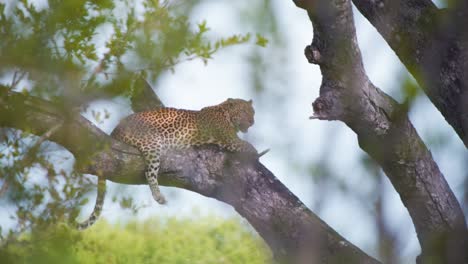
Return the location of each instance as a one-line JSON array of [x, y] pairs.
[[238, 145]]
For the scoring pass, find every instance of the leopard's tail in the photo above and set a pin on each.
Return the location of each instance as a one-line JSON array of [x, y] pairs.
[[101, 193]]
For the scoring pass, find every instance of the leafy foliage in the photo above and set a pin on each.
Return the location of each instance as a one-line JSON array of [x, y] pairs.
[[205, 241], [73, 52], [85, 49], [42, 192]]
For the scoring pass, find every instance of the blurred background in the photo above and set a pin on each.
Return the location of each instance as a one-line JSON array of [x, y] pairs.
[[195, 54]]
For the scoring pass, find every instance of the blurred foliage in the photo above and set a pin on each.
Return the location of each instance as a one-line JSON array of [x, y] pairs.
[[83, 49], [262, 17], [207, 240], [42, 192], [72, 53], [410, 91]]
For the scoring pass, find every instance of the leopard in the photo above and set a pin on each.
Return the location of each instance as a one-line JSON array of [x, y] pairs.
[[156, 132]]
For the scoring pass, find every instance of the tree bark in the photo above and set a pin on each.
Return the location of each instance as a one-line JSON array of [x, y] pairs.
[[433, 45], [292, 231], [383, 131]]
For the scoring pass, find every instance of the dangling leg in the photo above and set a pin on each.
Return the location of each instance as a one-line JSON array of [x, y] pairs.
[[101, 194], [151, 173]]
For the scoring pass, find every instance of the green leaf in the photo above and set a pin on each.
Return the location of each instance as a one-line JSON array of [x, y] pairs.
[[261, 41]]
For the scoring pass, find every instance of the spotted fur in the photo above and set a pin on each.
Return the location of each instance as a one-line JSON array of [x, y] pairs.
[[158, 131], [101, 193]]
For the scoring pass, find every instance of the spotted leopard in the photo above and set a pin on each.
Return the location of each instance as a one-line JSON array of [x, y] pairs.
[[158, 131]]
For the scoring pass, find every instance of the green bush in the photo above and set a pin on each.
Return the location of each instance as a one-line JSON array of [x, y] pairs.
[[206, 240]]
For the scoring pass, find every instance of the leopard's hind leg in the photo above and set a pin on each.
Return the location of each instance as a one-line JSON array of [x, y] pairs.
[[152, 159]]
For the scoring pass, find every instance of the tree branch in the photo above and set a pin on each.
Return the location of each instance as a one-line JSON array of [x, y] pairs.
[[144, 98], [293, 232], [432, 45], [383, 131]]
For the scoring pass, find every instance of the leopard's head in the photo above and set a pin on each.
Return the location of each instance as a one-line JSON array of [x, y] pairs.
[[240, 113]]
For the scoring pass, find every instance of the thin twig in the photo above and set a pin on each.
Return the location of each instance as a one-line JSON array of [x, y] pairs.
[[126, 152], [4, 188], [263, 152], [17, 79], [45, 136]]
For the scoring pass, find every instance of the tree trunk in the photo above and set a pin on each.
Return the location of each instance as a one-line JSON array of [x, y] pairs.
[[384, 132]]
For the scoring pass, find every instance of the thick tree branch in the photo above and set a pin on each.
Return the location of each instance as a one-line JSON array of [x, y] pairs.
[[433, 46], [384, 132], [293, 232], [144, 98]]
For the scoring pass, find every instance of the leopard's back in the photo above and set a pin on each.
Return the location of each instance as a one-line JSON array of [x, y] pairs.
[[171, 128], [163, 128]]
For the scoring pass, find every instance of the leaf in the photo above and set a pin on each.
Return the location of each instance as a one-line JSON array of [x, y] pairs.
[[261, 41], [83, 201], [202, 28]]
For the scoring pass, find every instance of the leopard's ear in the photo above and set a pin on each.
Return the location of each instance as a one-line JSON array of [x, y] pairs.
[[250, 101]]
